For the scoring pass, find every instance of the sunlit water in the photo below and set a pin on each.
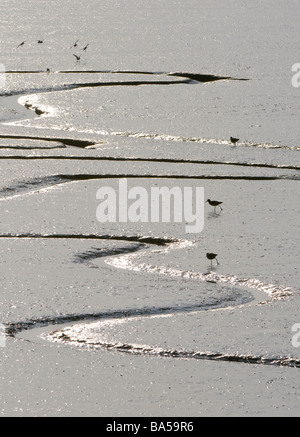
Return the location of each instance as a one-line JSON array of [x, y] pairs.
[[67, 131]]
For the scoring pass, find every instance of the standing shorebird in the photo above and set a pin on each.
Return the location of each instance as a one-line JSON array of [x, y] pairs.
[[215, 203], [234, 140], [212, 256]]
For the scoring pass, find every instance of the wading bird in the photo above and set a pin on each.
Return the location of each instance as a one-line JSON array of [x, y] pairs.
[[234, 140], [215, 203], [212, 256]]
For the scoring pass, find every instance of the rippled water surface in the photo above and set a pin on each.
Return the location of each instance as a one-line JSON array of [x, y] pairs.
[[132, 318]]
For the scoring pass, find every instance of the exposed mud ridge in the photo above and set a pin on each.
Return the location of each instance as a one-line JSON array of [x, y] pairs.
[[13, 328], [73, 86], [85, 177], [129, 259], [154, 160], [95, 253], [31, 185], [35, 185], [132, 263], [68, 335], [166, 137], [183, 78], [204, 77], [66, 141], [85, 144], [28, 187], [197, 77], [157, 241], [27, 148], [125, 259]]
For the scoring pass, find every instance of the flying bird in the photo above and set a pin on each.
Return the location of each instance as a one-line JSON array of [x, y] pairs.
[[77, 57], [22, 43], [40, 41], [215, 203], [234, 140], [212, 256], [84, 49], [75, 44]]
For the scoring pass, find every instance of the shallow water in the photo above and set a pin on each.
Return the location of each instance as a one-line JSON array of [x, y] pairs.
[[142, 297]]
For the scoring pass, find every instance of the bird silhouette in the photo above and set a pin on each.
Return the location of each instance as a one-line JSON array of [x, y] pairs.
[[40, 41], [75, 44], [234, 140], [212, 256], [22, 43], [84, 49], [77, 57], [215, 203], [38, 111]]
